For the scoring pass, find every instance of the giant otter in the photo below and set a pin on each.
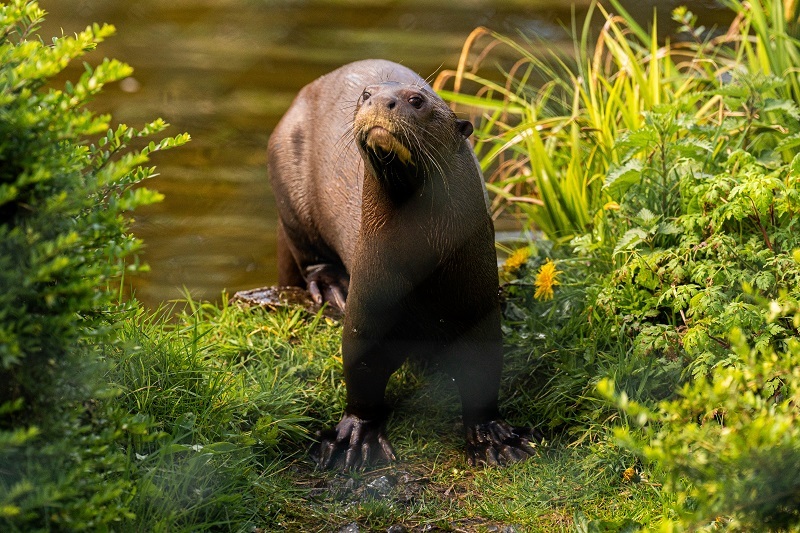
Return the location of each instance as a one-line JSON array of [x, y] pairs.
[[383, 214]]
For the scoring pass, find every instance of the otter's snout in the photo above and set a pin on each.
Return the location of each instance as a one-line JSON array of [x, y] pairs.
[[384, 115], [390, 96], [384, 101]]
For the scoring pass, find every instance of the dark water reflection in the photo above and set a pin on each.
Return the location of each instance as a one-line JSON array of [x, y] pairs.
[[225, 71]]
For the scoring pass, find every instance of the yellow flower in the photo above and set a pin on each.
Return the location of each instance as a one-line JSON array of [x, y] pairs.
[[546, 280], [517, 259], [630, 475]]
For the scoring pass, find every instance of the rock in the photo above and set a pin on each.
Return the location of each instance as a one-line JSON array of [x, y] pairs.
[[351, 484], [381, 486], [501, 529], [275, 297]]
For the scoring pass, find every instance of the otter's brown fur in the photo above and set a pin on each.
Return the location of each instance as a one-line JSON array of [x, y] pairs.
[[383, 213]]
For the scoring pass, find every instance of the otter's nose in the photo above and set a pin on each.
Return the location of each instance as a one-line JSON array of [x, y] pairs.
[[384, 100], [377, 95]]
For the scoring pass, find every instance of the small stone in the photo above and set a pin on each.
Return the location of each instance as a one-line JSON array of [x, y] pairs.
[[352, 527], [382, 485], [397, 528]]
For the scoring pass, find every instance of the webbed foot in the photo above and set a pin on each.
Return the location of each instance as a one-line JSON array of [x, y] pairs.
[[353, 443], [498, 443], [328, 283]]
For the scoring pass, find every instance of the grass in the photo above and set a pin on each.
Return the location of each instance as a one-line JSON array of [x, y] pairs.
[[233, 396], [548, 132]]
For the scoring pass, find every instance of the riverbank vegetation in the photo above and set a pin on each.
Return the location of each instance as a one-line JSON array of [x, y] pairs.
[[652, 334]]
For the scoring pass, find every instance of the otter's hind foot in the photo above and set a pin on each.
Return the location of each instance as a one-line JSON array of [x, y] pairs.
[[353, 443], [328, 283], [498, 443]]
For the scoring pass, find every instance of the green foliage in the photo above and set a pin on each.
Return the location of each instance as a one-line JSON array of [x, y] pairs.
[[550, 133], [652, 300], [555, 134], [70, 476], [773, 50], [64, 204], [727, 442], [678, 289], [230, 394], [62, 201], [667, 288]]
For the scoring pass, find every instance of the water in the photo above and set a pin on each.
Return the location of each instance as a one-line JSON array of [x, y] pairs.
[[225, 71]]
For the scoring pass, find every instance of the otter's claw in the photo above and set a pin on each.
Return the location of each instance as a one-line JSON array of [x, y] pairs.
[[498, 443], [353, 443], [328, 283]]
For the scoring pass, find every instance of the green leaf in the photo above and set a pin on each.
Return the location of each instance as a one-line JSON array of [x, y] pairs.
[[630, 240], [621, 178]]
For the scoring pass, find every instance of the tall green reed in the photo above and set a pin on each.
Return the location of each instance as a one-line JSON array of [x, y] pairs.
[[548, 133], [765, 36]]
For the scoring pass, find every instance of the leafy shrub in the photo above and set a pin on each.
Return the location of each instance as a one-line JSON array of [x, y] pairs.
[[724, 215], [63, 237], [691, 290], [62, 201], [665, 290], [728, 442], [657, 297]]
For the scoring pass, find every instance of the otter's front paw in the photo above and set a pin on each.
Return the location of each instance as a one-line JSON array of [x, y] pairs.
[[498, 443], [353, 443], [328, 283]]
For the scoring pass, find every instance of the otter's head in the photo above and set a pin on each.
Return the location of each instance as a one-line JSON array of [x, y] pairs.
[[406, 134]]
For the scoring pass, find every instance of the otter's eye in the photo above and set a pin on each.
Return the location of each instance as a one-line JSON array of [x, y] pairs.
[[416, 101], [365, 96]]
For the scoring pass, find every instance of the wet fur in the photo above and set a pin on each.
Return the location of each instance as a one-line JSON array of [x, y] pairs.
[[409, 235]]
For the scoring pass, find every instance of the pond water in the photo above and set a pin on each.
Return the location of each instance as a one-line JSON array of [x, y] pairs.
[[225, 71]]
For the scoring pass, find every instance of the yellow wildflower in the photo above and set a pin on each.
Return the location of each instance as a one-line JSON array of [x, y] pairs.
[[546, 280], [629, 474], [517, 259]]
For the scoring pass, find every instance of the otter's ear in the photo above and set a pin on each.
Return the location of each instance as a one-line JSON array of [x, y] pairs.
[[464, 127]]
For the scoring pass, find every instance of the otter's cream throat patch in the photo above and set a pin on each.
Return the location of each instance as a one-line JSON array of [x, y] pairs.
[[379, 137]]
